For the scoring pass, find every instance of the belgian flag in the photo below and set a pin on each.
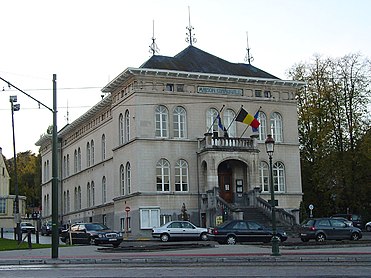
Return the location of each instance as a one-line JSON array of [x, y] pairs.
[[246, 118]]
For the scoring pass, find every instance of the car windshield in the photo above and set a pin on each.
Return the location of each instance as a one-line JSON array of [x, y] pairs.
[[27, 224], [96, 227]]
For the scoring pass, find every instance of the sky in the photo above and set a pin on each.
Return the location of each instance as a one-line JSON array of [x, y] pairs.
[[87, 43]]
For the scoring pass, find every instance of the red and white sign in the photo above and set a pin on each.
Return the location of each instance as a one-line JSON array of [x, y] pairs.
[[127, 209]]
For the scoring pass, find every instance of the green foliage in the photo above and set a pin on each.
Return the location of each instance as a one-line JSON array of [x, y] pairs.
[[29, 178], [334, 134]]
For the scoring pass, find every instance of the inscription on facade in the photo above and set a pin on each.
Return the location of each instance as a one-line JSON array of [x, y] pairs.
[[219, 91]]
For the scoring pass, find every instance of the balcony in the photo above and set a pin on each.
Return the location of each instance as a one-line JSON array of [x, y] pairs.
[[214, 142]]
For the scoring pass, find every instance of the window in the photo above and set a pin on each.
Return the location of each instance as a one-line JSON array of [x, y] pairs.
[[180, 87], [163, 175], [161, 116], [211, 123], [121, 129], [68, 209], [104, 190], [64, 202], [169, 87], [267, 94], [87, 154], [75, 199], [181, 175], [104, 219], [92, 152], [92, 191], [75, 162], [228, 121], [79, 159], [258, 93], [179, 122], [263, 126], [2, 205], [79, 197], [127, 126], [68, 165], [64, 166], [264, 176], [164, 218], [279, 177], [122, 179], [88, 194], [128, 178], [103, 147], [276, 127], [149, 218]]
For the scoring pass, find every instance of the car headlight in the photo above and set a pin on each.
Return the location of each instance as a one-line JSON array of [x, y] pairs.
[[120, 234], [101, 235]]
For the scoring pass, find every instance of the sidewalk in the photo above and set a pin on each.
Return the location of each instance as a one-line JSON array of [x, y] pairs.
[[132, 252]]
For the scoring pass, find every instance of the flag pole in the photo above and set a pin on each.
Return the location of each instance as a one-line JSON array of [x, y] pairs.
[[235, 116]]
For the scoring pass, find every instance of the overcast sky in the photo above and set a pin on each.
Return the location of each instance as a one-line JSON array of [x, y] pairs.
[[88, 43]]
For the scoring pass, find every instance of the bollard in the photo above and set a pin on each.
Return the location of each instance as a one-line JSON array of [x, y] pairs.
[[29, 240], [37, 236], [2, 232]]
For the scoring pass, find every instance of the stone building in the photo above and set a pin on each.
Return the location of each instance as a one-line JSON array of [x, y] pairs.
[[165, 137]]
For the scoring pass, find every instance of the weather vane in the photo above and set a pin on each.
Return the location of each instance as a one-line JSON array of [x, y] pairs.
[[248, 57], [190, 38], [153, 47]]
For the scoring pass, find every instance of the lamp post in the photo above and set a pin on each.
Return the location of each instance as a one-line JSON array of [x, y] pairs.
[[269, 146], [17, 218]]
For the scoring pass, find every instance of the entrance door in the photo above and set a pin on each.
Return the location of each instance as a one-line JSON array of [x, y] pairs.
[[225, 186]]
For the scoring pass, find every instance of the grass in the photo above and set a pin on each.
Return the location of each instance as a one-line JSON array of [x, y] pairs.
[[10, 244]]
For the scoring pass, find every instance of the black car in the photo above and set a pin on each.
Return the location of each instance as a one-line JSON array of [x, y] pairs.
[[355, 218], [46, 229], [91, 233], [234, 231], [27, 227], [321, 229]]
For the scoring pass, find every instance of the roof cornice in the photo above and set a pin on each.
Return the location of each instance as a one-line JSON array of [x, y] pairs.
[[129, 72]]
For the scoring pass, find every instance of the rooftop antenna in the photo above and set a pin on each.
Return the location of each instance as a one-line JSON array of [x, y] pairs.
[[190, 38], [153, 47], [248, 57]]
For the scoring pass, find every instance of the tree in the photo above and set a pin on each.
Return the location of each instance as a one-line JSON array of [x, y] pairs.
[[29, 178], [333, 121]]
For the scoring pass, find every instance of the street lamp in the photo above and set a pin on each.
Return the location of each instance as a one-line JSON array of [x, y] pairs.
[[17, 218], [269, 146]]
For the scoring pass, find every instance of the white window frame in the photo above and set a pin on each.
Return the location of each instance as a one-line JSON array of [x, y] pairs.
[[228, 121], [163, 174], [264, 176], [127, 126], [211, 115], [121, 129], [181, 176], [149, 218], [180, 122], [161, 121], [263, 126], [277, 127], [279, 180]]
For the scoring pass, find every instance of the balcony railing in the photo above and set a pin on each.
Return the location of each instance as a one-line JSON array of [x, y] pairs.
[[215, 142]]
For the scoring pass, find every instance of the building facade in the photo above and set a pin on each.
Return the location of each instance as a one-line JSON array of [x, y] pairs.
[[165, 137]]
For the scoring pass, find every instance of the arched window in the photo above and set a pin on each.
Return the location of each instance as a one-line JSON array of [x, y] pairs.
[[128, 178], [68, 165], [162, 118], [68, 201], [276, 127], [264, 176], [92, 191], [211, 123], [121, 129], [181, 175], [79, 159], [122, 179], [263, 126], [279, 177], [88, 195], [104, 190], [64, 166], [127, 126], [75, 162], [92, 150], [75, 200], [163, 175], [179, 122], [64, 201], [79, 197], [88, 154], [228, 121], [103, 147]]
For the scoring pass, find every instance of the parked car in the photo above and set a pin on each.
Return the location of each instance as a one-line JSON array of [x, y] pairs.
[[91, 233], [26, 227], [233, 231], [321, 229], [46, 229], [368, 226], [179, 230], [355, 218]]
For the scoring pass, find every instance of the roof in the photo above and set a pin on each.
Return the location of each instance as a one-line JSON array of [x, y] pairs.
[[193, 59]]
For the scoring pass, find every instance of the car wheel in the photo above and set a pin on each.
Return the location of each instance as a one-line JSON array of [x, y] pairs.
[[204, 237], [320, 237], [164, 237], [304, 239], [368, 228], [231, 240], [115, 245], [355, 236]]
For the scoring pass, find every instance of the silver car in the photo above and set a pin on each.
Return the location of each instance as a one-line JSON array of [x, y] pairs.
[[179, 230]]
